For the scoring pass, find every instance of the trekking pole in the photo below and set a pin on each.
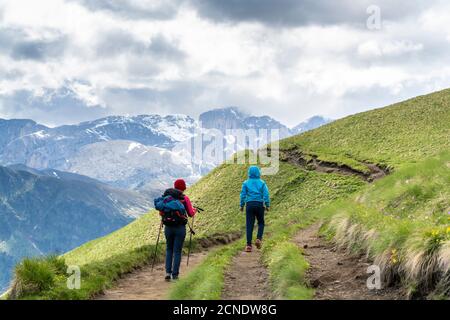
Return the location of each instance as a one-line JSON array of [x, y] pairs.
[[191, 229], [156, 247], [198, 209]]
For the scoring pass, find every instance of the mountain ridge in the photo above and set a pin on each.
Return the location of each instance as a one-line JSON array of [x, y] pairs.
[[40, 147]]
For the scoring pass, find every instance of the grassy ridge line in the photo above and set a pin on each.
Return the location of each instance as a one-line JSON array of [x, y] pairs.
[[392, 136], [402, 222]]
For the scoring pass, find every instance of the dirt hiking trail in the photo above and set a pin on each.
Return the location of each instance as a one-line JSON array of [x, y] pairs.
[[143, 284], [247, 278], [335, 275]]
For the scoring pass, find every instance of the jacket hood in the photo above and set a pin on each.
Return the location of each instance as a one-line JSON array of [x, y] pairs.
[[254, 172]]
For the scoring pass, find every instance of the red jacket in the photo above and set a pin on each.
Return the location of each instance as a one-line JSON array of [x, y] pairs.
[[191, 211]]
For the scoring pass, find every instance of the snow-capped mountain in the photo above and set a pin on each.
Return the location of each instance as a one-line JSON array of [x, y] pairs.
[[142, 152], [232, 118], [310, 124], [16, 128], [51, 147]]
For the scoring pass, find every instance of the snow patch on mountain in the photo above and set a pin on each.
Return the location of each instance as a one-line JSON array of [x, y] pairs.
[[40, 134], [132, 146], [130, 165]]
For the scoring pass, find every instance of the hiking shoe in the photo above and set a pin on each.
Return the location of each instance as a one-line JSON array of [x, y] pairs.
[[248, 249], [258, 243], [168, 277], [175, 278]]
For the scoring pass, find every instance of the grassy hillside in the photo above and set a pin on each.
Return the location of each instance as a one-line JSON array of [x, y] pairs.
[[403, 223], [413, 201], [388, 220], [406, 132]]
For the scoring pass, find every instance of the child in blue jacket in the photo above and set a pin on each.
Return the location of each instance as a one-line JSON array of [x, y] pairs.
[[255, 197]]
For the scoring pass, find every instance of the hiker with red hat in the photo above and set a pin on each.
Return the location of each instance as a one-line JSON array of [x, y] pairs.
[[175, 207]]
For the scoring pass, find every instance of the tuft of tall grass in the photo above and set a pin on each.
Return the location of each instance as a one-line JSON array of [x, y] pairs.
[[287, 267], [34, 275]]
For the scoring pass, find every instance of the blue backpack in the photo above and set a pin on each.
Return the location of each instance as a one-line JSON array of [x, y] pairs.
[[172, 210]]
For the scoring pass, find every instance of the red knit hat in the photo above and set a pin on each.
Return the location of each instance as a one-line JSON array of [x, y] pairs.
[[180, 184]]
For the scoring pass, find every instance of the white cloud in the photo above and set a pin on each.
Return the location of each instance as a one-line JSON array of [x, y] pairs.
[[146, 56], [374, 49]]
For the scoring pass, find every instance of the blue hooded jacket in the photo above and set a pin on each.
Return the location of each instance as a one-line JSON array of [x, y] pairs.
[[255, 189]]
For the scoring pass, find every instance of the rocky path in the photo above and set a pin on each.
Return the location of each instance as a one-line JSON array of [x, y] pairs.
[[334, 275], [145, 284], [247, 278]]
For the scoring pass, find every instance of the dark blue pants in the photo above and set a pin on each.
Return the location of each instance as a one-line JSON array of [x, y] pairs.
[[175, 236], [254, 210]]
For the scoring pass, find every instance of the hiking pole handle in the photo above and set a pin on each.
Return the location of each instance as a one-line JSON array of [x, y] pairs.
[[191, 230], [199, 209]]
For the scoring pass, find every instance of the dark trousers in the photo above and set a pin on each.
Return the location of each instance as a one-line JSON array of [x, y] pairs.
[[175, 236], [254, 211]]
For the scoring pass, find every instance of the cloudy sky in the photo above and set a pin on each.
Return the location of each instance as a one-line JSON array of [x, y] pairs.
[[64, 61]]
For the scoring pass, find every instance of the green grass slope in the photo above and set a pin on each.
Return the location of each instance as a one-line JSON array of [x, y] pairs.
[[404, 132], [398, 136], [402, 222]]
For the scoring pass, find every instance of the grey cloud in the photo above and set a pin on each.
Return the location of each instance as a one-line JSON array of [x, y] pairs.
[[7, 38], [38, 50], [55, 107], [419, 50], [161, 47], [12, 74], [130, 10], [178, 98], [115, 42], [304, 12], [16, 44], [376, 96], [62, 106], [118, 42]]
